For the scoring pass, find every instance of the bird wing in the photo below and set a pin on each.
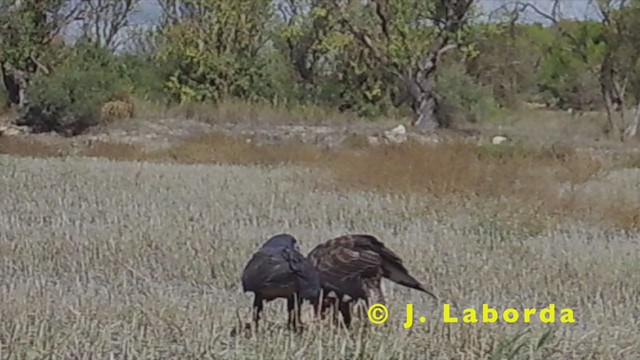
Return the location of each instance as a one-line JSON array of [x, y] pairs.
[[281, 269], [267, 270], [363, 255], [392, 265], [343, 265]]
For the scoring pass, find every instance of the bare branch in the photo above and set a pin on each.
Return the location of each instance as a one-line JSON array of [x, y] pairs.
[[106, 19], [553, 16], [62, 21], [41, 67]]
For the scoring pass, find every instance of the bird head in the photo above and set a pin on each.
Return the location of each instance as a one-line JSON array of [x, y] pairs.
[[282, 241]]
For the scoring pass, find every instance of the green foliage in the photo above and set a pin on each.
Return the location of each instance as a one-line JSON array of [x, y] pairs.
[[69, 99], [148, 77], [4, 97], [27, 32], [508, 59], [218, 52], [311, 58], [568, 76], [469, 101]]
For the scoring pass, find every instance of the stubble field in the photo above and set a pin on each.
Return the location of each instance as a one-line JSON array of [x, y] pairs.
[[124, 260]]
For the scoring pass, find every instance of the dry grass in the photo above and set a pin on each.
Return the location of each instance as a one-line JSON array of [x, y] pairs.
[[517, 178], [115, 151], [218, 148], [108, 259], [257, 113], [519, 181], [547, 125], [26, 146], [116, 111]]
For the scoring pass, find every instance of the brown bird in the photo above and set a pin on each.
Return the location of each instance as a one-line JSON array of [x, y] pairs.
[[352, 267], [279, 270]]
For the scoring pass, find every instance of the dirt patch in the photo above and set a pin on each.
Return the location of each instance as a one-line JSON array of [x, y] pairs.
[[158, 134], [27, 146]]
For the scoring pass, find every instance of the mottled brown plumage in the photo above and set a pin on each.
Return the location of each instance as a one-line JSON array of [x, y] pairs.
[[352, 267]]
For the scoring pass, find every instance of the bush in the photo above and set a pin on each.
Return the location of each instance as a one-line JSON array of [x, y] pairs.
[[4, 101], [68, 100], [149, 77], [463, 100]]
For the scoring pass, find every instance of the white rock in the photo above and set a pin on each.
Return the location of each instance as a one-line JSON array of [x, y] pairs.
[[373, 140], [498, 139], [424, 140], [398, 130], [12, 130], [397, 135]]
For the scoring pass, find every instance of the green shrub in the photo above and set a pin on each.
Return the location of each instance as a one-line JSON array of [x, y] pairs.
[[147, 76], [463, 100], [68, 100], [4, 100]]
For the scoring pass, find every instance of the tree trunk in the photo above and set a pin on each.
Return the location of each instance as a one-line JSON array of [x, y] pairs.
[[14, 84], [614, 129], [426, 112], [632, 129], [612, 96], [425, 102]]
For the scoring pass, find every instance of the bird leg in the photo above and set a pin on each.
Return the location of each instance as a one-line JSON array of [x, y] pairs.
[[327, 303], [332, 305], [346, 313], [335, 307], [295, 311], [257, 309]]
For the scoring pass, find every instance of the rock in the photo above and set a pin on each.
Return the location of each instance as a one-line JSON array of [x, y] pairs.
[[373, 140], [13, 130], [424, 139], [498, 139], [396, 135]]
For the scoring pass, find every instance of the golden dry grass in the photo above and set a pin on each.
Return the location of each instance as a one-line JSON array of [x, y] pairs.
[[523, 179], [520, 181], [116, 111], [26, 146], [104, 259], [259, 113], [114, 151]]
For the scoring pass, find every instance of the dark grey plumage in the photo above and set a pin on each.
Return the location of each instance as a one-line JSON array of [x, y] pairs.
[[279, 270], [352, 267]]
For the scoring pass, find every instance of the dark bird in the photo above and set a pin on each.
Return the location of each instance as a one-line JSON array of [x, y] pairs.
[[279, 270], [352, 267]]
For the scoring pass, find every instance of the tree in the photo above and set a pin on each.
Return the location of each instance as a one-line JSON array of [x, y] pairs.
[[105, 20], [28, 30], [618, 66], [407, 38], [216, 46], [304, 34]]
